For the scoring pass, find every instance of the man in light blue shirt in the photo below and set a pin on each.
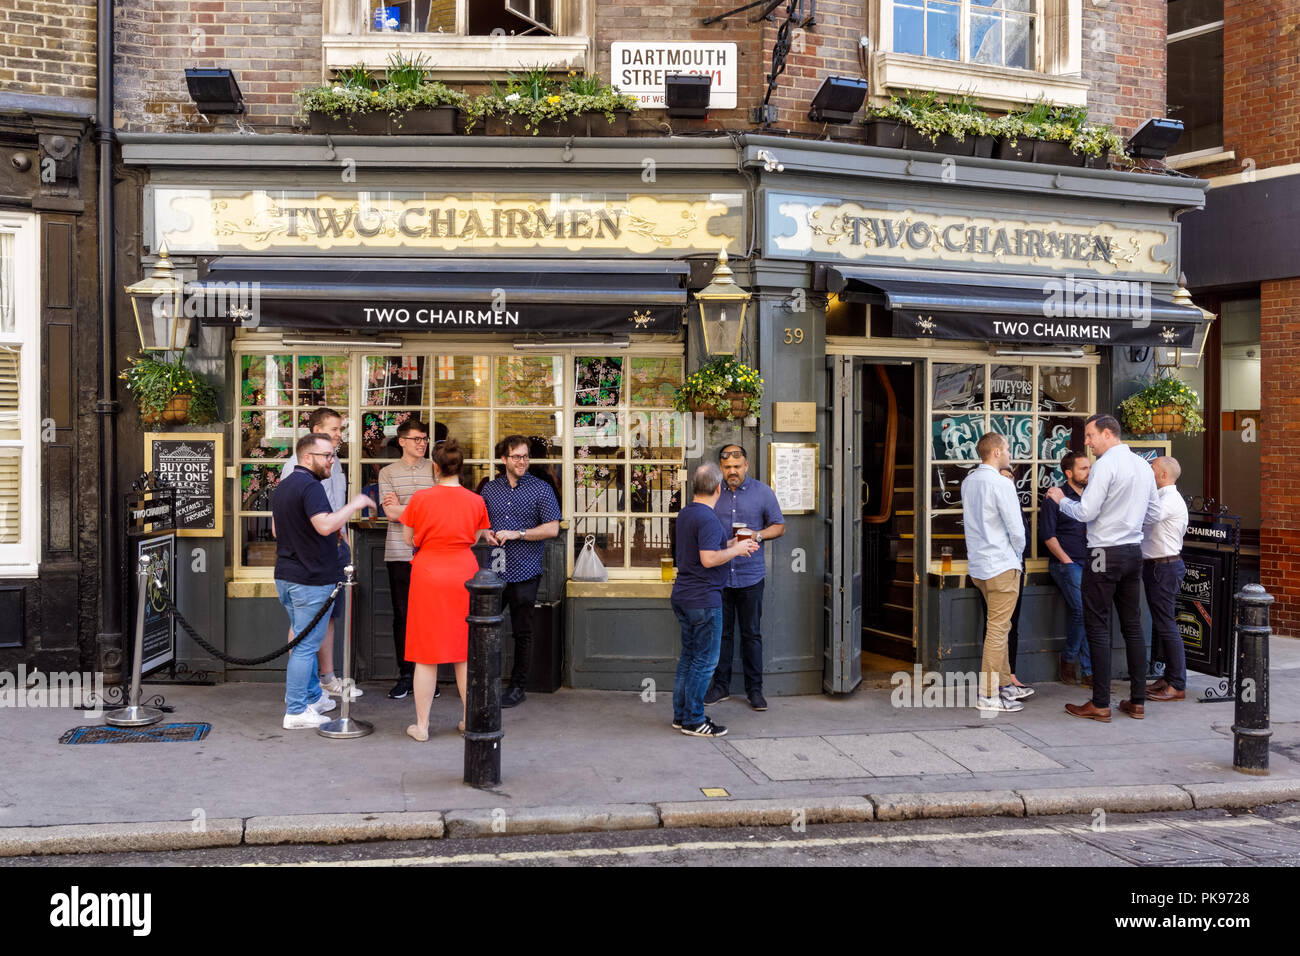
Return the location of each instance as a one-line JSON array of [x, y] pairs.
[[1119, 499], [995, 540]]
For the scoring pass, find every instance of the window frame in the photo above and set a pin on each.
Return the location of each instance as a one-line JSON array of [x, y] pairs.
[[430, 349], [22, 559], [1202, 155]]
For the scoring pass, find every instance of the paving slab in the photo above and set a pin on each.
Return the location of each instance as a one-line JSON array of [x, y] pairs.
[[894, 755], [987, 750], [798, 758]]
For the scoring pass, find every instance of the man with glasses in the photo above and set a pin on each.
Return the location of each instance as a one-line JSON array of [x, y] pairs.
[[306, 570], [748, 503], [328, 422], [397, 483], [524, 514]]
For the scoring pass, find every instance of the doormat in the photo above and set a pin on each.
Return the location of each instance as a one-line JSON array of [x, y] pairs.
[[166, 734]]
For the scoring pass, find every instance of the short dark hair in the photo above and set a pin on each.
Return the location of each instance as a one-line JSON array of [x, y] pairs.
[[412, 424], [448, 457], [512, 441], [988, 443], [731, 444], [307, 441], [319, 415], [1068, 460], [1104, 423]]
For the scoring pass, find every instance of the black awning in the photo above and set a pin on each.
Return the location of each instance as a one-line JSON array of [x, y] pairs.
[[449, 295], [1062, 310]]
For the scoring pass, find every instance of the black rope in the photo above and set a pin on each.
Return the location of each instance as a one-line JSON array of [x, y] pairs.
[[248, 661]]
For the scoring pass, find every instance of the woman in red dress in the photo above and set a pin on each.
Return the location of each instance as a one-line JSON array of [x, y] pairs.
[[441, 523]]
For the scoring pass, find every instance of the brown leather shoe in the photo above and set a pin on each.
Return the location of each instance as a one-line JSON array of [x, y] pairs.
[[1090, 711], [1067, 672], [1086, 680], [1136, 711], [1165, 693], [1157, 685]]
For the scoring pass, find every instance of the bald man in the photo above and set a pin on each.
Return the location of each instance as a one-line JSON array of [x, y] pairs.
[[1162, 573]]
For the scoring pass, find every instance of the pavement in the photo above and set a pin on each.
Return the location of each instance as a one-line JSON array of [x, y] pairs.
[[579, 761]]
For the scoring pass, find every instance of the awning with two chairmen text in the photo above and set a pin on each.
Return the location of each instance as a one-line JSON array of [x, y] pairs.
[[521, 296], [1052, 310]]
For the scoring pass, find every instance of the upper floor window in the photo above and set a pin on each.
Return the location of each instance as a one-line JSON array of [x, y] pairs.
[[20, 448], [1195, 80], [994, 32], [468, 17]]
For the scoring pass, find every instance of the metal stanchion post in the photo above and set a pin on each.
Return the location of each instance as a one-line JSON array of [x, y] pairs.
[[1250, 729], [483, 696], [133, 715], [345, 726]]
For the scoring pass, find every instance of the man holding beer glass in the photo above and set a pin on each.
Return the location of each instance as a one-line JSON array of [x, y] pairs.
[[749, 508]]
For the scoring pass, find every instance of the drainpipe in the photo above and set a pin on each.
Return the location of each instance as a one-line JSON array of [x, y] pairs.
[[109, 639]]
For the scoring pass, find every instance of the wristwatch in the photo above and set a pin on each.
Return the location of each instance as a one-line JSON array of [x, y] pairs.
[[758, 536]]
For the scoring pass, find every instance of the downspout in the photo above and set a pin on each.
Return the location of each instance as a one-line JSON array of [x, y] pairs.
[[109, 639]]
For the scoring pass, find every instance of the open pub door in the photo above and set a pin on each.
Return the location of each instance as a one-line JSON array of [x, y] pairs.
[[842, 666]]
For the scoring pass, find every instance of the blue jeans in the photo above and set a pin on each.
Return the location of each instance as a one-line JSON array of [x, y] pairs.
[[701, 640], [302, 601], [1161, 582], [1069, 578], [743, 606]]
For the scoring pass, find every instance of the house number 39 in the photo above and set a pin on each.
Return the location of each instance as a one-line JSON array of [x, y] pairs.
[[793, 336]]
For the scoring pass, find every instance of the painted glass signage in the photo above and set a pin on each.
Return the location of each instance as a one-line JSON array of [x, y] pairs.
[[882, 233], [213, 220]]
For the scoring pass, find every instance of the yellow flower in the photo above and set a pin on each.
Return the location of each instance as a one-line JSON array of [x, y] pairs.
[[552, 99]]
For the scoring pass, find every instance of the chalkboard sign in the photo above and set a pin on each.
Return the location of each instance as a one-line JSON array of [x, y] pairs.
[[191, 463], [1200, 611]]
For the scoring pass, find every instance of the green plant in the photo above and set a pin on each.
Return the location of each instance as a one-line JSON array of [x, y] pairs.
[[357, 77], [1060, 124], [154, 383], [711, 384], [536, 97], [957, 117], [406, 89], [406, 73], [1167, 391]]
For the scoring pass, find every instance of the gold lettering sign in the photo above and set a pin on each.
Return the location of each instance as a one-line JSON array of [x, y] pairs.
[[220, 220], [826, 229]]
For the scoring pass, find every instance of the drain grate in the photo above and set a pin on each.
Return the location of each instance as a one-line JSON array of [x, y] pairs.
[[165, 734]]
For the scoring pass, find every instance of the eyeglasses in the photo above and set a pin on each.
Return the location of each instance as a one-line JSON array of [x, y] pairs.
[[317, 454], [422, 440], [731, 454], [518, 457]]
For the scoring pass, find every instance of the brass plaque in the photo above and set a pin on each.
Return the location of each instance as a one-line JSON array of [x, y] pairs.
[[794, 416]]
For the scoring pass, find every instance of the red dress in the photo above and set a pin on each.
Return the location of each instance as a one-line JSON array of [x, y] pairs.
[[446, 520]]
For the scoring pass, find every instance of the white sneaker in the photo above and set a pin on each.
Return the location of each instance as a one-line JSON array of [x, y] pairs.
[[335, 687], [308, 719], [998, 704], [324, 704], [1012, 692]]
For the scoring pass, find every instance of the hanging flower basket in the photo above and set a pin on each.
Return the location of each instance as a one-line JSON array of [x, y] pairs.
[[723, 389], [1168, 406], [1167, 419], [729, 406], [176, 412]]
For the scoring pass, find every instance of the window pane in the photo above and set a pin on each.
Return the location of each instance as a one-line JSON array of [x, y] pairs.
[[958, 386], [597, 381], [1185, 14], [323, 380], [656, 488], [657, 434], [264, 380], [942, 29], [948, 531], [542, 429], [1019, 433], [945, 485], [654, 381], [909, 27], [304, 415], [1018, 42], [11, 461], [393, 380], [8, 318], [256, 483], [985, 37], [955, 436], [1062, 388], [608, 533], [598, 488], [529, 379], [470, 429], [10, 425], [463, 380], [379, 433], [266, 435], [1059, 435], [652, 539], [441, 16], [1024, 486], [1195, 90], [1012, 388], [259, 543], [597, 435]]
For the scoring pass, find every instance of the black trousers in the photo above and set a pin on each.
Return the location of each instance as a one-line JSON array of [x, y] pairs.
[[521, 598], [1114, 575], [399, 586]]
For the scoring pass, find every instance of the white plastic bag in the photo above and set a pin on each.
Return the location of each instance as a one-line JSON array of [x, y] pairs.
[[588, 566]]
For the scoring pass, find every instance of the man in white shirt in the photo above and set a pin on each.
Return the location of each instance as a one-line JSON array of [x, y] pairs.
[[1162, 573], [995, 540], [1119, 500]]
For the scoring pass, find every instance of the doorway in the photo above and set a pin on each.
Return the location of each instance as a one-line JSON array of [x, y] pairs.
[[889, 505]]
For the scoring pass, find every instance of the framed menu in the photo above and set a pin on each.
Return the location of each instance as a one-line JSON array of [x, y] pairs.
[[191, 463], [792, 468]]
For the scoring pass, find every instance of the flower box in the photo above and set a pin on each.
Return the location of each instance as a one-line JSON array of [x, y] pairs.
[[430, 121], [948, 144], [1048, 152], [885, 133], [592, 123]]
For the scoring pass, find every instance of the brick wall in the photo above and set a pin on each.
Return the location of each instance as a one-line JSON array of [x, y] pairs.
[[274, 49], [1124, 54], [1279, 500], [47, 47], [1261, 80]]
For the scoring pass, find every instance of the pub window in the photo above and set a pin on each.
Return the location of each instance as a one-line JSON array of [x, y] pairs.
[[466, 17], [1195, 68], [20, 494], [1041, 408], [991, 32], [600, 429]]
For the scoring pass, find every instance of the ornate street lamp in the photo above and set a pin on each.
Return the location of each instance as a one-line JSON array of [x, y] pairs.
[[158, 301], [1174, 357], [722, 310]]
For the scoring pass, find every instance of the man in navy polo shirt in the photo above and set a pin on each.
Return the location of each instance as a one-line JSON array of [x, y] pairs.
[[1067, 540], [524, 513], [702, 555], [746, 502]]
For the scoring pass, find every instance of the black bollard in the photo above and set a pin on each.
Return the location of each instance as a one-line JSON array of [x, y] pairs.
[[483, 696], [1250, 728]]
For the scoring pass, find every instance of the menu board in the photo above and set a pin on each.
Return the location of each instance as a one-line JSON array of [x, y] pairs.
[[1200, 614], [792, 467], [158, 644], [191, 464]]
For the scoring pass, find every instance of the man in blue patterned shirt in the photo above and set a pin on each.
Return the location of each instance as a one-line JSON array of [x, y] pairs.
[[524, 514], [744, 502]]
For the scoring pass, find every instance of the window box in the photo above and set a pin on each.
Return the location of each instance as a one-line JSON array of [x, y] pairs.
[[1051, 153], [592, 123], [949, 144], [889, 134], [435, 121]]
